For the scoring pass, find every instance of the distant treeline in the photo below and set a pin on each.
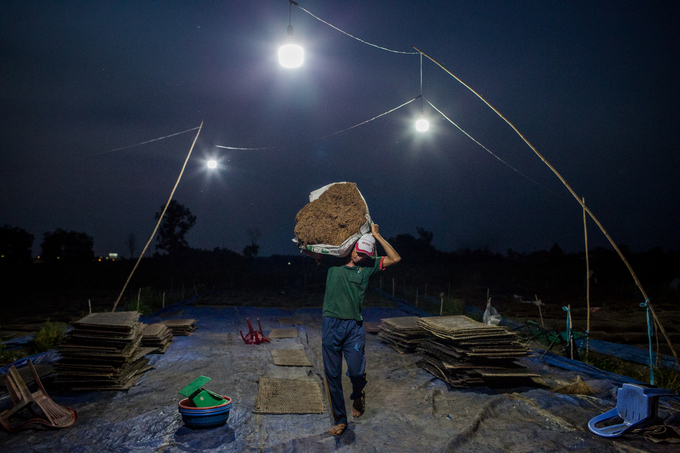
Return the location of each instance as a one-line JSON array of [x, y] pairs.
[[71, 265]]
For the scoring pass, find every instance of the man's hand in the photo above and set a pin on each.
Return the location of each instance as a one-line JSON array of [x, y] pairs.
[[392, 255]]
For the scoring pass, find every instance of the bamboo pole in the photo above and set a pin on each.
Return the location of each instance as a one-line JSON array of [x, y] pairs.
[[89, 304], [585, 234], [139, 297], [160, 219], [441, 306], [573, 193], [540, 313]]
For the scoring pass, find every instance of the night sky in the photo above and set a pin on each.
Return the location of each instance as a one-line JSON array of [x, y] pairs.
[[593, 85]]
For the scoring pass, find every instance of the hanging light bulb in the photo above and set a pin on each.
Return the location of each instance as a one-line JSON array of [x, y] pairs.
[[422, 125], [291, 54]]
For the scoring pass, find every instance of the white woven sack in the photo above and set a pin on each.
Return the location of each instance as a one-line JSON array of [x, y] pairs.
[[344, 248]]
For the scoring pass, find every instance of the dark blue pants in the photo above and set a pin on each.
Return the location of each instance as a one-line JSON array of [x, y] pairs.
[[343, 337]]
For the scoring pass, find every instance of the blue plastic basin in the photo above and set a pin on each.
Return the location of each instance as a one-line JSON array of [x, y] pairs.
[[201, 421]]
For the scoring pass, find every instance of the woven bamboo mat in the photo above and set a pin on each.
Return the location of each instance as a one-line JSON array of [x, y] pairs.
[[179, 322], [283, 333], [121, 319], [371, 327], [409, 323], [288, 396], [155, 330], [290, 357]]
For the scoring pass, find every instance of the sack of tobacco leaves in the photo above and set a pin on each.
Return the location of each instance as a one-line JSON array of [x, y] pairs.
[[333, 220]]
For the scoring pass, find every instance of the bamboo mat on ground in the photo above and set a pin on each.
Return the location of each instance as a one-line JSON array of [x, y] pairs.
[[290, 357], [283, 333], [289, 396]]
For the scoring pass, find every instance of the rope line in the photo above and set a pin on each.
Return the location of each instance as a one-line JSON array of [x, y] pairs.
[[322, 137], [352, 36], [148, 141], [488, 150]]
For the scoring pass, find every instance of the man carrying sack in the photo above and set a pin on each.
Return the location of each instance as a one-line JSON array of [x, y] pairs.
[[343, 332]]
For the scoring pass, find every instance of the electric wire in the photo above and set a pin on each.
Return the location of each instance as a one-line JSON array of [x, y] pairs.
[[318, 138], [421, 84], [352, 36]]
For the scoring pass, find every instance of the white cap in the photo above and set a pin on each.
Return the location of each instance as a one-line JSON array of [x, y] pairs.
[[366, 244]]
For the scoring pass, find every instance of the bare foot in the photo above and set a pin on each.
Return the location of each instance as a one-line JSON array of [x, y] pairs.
[[359, 405], [337, 429]]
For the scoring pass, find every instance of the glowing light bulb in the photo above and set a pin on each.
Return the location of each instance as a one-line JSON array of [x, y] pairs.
[[291, 56], [422, 125], [212, 163]]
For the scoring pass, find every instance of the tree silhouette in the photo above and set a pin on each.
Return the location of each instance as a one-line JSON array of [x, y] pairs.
[[177, 221], [67, 246], [250, 251], [15, 245]]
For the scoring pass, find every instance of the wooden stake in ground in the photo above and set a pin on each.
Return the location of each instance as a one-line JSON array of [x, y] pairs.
[[538, 302], [441, 306], [163, 299], [570, 333], [89, 304]]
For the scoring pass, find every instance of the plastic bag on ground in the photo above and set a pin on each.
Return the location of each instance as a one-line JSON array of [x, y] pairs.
[[491, 316]]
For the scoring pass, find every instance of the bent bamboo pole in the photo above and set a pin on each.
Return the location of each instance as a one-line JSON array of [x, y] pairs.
[[579, 200], [160, 219]]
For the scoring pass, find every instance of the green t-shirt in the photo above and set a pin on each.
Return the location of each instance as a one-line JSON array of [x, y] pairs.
[[346, 288]]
